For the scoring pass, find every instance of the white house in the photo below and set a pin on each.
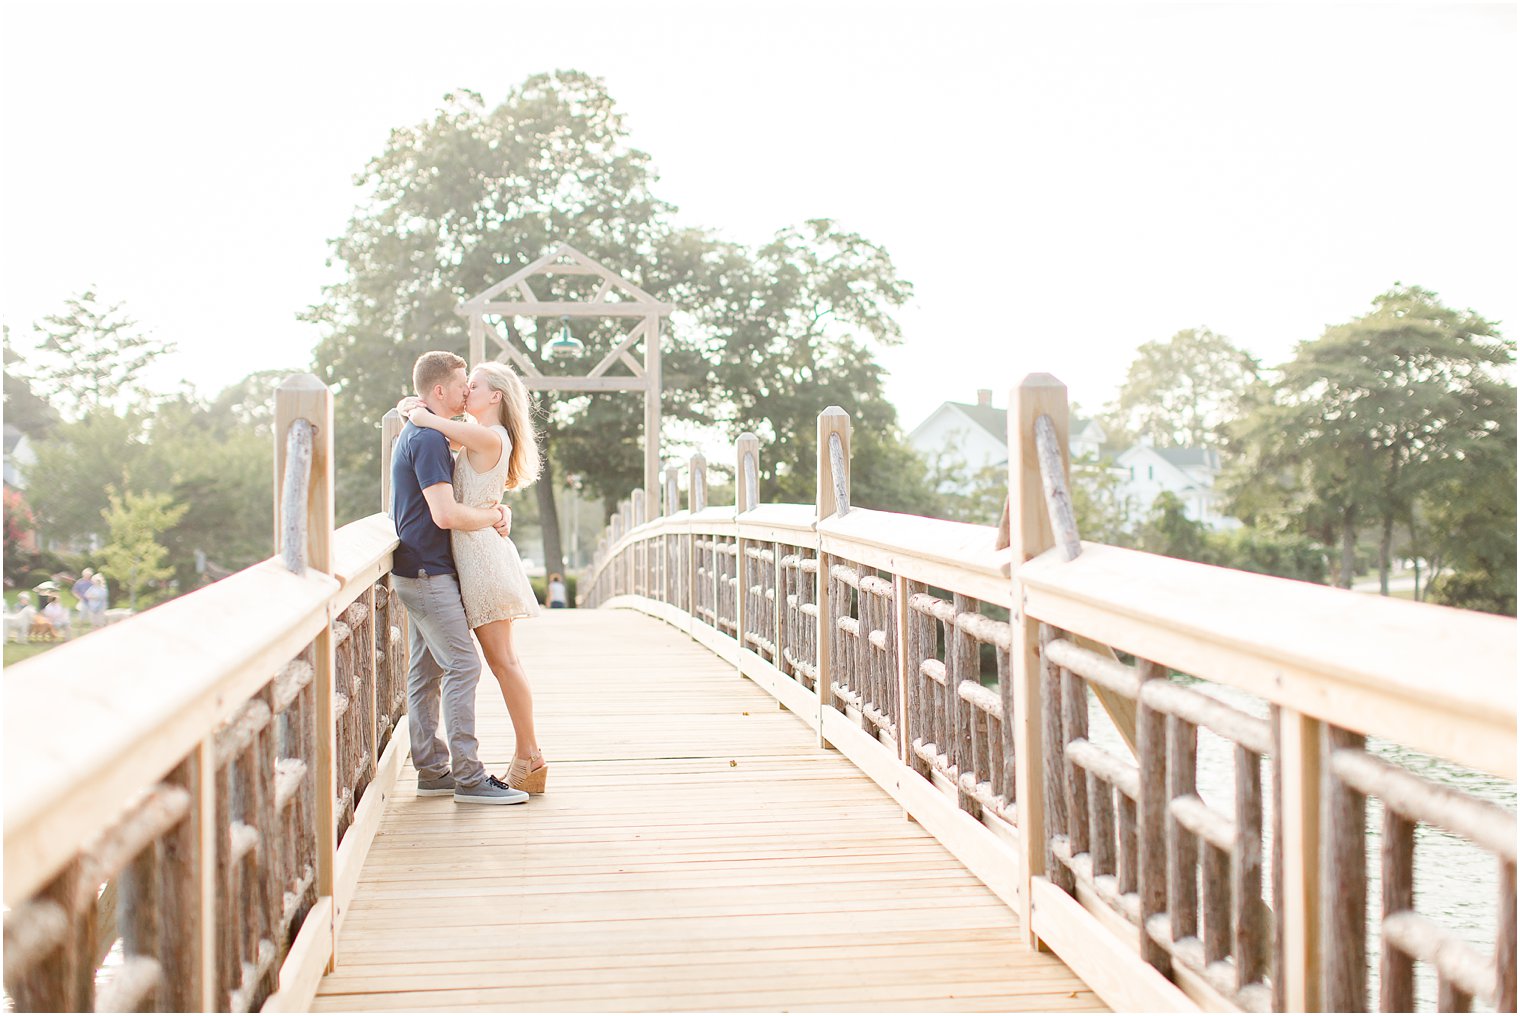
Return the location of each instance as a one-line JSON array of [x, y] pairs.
[[18, 457], [1190, 473], [978, 434]]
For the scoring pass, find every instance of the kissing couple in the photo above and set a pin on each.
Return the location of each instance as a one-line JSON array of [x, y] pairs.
[[457, 571]]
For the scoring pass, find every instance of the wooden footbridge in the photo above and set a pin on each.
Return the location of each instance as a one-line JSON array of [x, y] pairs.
[[803, 757]]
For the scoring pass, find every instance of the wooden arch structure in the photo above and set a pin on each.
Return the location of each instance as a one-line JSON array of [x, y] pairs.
[[615, 297]]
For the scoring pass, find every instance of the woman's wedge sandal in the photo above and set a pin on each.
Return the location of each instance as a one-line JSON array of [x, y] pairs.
[[524, 776]]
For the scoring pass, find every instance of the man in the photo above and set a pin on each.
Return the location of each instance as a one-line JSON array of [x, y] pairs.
[[81, 589], [423, 575]]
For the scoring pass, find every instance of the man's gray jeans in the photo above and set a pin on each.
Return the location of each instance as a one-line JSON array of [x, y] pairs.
[[442, 654]]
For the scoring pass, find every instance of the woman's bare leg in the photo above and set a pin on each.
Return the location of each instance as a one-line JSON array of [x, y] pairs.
[[496, 640]]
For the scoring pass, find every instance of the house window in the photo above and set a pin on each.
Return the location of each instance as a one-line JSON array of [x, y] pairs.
[[1150, 472], [1131, 472]]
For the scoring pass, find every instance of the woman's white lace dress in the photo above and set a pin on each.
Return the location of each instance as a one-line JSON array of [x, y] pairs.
[[492, 580]]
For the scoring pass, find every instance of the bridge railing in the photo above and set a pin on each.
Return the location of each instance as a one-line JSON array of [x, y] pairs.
[[1166, 768], [201, 782]]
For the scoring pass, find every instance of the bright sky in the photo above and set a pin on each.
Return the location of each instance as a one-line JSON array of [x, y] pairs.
[[1061, 183]]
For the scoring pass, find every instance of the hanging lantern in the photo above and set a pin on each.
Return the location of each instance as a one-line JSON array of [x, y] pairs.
[[567, 345]]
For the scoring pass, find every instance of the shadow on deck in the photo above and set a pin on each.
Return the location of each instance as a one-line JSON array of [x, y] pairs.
[[696, 850]]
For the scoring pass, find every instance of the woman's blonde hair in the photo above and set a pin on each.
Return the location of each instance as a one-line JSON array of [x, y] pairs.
[[516, 414]]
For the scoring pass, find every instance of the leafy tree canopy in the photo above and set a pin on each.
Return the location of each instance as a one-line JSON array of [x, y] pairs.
[[24, 408], [763, 339], [1181, 392], [1370, 414], [207, 457], [133, 557], [93, 356]]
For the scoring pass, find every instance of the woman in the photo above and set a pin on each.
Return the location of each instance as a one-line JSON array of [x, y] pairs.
[[97, 599], [499, 450]]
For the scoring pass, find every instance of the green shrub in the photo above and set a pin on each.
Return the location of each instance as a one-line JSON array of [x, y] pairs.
[[1287, 555], [1476, 591]]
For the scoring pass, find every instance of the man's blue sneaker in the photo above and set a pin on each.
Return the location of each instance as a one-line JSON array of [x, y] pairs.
[[441, 787], [489, 791]]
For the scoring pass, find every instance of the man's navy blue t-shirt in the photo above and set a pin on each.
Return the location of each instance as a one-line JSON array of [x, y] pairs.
[[420, 460]]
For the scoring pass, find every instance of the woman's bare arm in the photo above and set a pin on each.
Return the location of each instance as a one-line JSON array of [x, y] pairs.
[[471, 435]]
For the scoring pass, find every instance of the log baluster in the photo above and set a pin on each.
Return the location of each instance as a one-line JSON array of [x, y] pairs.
[[1053, 764], [1343, 870], [1150, 743], [1250, 915]]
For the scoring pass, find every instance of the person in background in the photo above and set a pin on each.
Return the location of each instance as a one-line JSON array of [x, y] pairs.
[[80, 587], [96, 600], [21, 622], [557, 597], [57, 615]]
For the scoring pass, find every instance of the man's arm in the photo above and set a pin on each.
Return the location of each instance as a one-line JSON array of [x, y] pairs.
[[450, 514]]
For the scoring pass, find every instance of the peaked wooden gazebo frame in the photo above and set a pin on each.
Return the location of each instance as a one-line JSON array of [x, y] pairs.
[[615, 297]]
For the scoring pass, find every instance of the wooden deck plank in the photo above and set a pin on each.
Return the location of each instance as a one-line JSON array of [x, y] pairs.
[[696, 850]]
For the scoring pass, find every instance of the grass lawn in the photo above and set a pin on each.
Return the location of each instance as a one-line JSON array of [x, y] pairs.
[[15, 652]]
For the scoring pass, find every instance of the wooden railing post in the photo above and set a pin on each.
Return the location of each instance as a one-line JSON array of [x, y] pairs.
[[1030, 534], [1296, 787], [197, 775], [669, 542], [833, 423], [303, 396], [746, 473], [640, 580], [390, 429], [696, 501], [615, 564], [696, 486]]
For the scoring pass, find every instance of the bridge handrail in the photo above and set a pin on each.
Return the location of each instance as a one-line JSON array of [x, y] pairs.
[[129, 720], [1228, 626], [225, 800], [842, 615], [1201, 619]]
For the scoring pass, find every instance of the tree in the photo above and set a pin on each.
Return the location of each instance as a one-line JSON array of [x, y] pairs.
[[1169, 532], [94, 356], [24, 409], [133, 557], [455, 204], [213, 459], [964, 494], [1102, 512], [1469, 522], [1275, 486], [1372, 413], [1181, 392], [1286, 555], [218, 469], [247, 406], [762, 339], [80, 459]]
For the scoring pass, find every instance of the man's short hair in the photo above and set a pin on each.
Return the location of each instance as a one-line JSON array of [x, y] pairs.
[[434, 368]]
